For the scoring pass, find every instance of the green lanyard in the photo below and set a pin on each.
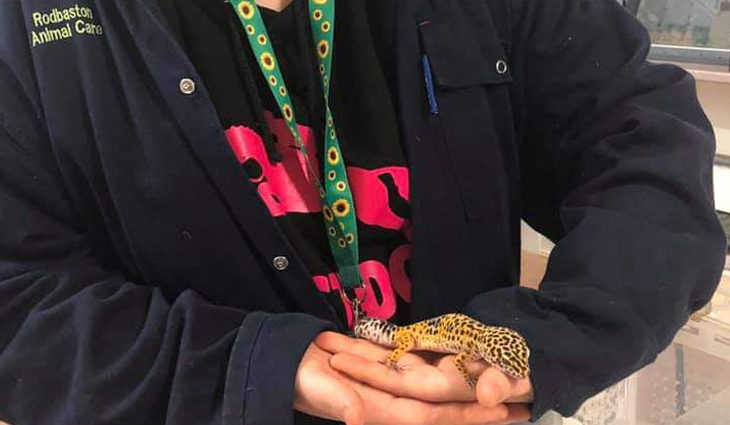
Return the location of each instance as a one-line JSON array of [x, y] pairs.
[[338, 207]]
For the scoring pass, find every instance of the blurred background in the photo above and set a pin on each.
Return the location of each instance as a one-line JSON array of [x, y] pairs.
[[689, 384]]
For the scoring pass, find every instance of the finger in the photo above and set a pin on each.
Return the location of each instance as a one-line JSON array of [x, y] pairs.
[[334, 342], [424, 383], [337, 343], [383, 407], [369, 372], [494, 387], [466, 413], [476, 368], [521, 392], [518, 412]]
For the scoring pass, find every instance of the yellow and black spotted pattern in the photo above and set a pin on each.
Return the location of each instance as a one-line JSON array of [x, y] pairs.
[[456, 334]]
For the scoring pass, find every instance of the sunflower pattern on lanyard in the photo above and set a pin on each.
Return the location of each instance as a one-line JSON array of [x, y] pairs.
[[335, 194]]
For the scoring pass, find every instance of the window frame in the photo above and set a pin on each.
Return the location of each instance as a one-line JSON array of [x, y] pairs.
[[688, 54]]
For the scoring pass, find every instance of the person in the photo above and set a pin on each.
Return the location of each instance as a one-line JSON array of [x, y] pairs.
[[198, 197]]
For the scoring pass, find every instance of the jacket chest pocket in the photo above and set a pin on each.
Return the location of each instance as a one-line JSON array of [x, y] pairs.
[[467, 85]]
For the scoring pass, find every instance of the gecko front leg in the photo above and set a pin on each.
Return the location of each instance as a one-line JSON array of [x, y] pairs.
[[460, 361], [404, 342]]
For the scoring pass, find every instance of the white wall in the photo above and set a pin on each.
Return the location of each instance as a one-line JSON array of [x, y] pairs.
[[715, 99]]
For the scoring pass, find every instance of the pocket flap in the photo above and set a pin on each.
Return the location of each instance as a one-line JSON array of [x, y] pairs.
[[458, 59]]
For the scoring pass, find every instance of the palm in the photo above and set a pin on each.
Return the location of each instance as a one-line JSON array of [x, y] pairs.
[[426, 390], [426, 376], [324, 392], [434, 377]]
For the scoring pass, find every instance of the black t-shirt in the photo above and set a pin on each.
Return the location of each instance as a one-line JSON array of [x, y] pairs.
[[362, 101]]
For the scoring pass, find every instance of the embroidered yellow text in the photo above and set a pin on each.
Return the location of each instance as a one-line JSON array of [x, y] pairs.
[[63, 23]]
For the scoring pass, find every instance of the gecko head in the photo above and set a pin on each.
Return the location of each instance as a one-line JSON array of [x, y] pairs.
[[375, 330], [506, 350]]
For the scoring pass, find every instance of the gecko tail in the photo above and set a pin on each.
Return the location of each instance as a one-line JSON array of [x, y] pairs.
[[378, 331]]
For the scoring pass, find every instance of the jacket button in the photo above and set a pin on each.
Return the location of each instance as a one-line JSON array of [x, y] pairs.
[[281, 263], [187, 86], [501, 67]]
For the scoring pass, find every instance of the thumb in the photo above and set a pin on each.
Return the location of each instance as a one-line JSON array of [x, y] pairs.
[[493, 387]]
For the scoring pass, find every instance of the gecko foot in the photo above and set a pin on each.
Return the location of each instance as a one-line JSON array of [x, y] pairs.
[[394, 366]]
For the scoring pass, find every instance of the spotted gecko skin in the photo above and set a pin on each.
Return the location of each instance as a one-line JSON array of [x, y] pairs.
[[456, 334]]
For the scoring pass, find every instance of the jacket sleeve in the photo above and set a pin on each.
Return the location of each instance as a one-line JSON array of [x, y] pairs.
[[79, 344], [616, 159]]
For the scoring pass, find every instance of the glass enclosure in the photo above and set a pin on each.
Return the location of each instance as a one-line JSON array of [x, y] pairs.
[[688, 384], [695, 23], [695, 31]]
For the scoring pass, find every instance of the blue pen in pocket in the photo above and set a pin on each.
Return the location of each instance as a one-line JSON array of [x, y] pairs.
[[428, 77]]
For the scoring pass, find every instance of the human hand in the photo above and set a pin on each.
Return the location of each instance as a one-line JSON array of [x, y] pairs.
[[324, 392], [321, 391], [432, 379]]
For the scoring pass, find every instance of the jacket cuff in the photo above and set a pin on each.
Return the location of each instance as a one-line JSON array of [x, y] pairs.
[[263, 365], [568, 363]]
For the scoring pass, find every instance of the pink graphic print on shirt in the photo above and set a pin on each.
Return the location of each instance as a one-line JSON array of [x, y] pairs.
[[381, 199], [286, 186]]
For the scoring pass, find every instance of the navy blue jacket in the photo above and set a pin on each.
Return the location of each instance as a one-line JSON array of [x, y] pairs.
[[136, 276]]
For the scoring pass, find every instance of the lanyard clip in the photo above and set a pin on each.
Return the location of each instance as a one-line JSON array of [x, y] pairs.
[[350, 297]]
